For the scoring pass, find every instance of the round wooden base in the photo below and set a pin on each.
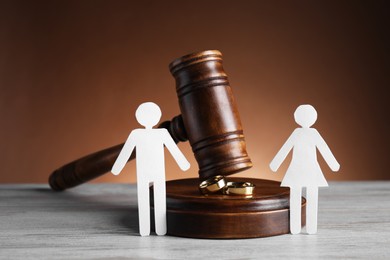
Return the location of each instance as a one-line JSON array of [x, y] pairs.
[[191, 214]]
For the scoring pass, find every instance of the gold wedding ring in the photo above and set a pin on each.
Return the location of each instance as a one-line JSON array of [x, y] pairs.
[[212, 185], [239, 188]]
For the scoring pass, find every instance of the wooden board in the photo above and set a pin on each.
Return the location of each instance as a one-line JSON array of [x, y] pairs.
[[99, 221]]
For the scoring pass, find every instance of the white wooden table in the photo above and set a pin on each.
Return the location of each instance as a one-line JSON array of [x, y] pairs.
[[99, 221]]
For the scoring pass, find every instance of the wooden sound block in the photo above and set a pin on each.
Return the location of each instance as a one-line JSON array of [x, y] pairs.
[[191, 214]]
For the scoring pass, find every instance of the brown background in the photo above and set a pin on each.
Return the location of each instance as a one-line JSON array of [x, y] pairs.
[[72, 74]]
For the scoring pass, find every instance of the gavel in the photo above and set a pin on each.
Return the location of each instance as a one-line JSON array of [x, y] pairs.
[[209, 120]]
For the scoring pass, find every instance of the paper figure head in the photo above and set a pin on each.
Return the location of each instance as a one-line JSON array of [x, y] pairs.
[[148, 114], [305, 115]]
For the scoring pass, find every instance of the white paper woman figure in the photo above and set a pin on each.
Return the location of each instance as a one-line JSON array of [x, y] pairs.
[[149, 144], [304, 170]]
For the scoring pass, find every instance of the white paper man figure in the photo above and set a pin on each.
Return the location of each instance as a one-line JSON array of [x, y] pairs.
[[149, 144], [304, 170]]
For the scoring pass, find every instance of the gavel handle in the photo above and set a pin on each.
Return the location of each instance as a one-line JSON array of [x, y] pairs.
[[85, 169], [97, 164]]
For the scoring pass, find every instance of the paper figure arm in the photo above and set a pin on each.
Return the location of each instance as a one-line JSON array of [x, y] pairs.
[[283, 152], [179, 157], [326, 153], [124, 155]]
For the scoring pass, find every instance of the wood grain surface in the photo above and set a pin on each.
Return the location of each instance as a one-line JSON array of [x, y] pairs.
[[99, 221], [192, 214]]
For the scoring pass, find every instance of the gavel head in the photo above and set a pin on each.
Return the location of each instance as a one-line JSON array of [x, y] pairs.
[[209, 114]]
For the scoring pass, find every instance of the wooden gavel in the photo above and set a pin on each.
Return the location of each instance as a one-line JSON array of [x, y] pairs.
[[209, 120]]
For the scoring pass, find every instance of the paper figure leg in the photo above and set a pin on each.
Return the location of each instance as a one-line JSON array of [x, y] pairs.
[[311, 210], [295, 210], [143, 208], [160, 208]]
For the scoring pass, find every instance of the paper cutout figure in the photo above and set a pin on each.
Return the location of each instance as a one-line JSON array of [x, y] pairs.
[[149, 144], [304, 170]]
